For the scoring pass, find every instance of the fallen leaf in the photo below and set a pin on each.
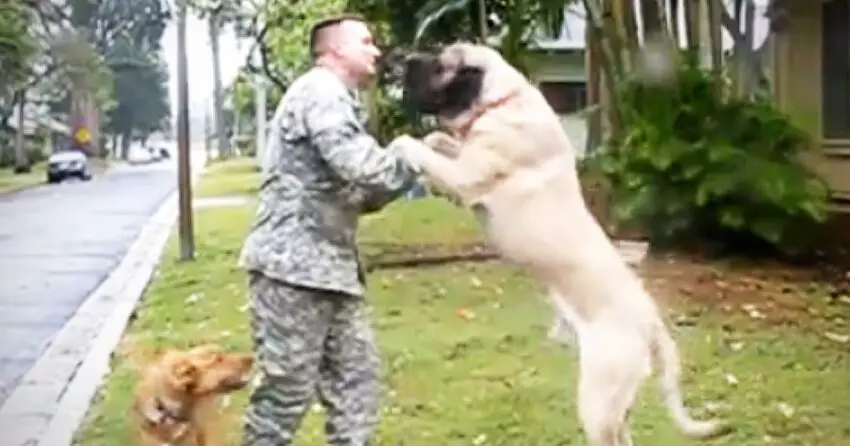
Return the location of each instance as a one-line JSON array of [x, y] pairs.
[[480, 439], [731, 379], [465, 314], [476, 282], [736, 346], [716, 406], [785, 409], [840, 338], [193, 298], [752, 311]]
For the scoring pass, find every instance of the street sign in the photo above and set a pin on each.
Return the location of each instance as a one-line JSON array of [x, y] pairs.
[[82, 136]]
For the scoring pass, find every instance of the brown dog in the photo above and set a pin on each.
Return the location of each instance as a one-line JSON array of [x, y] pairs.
[[177, 395], [508, 158]]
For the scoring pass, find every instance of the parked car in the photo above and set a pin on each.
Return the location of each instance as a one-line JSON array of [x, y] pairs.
[[144, 155], [68, 164]]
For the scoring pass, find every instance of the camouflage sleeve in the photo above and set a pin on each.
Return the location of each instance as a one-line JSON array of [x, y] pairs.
[[351, 152]]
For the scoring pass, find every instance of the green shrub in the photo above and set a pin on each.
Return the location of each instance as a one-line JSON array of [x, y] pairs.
[[694, 165]]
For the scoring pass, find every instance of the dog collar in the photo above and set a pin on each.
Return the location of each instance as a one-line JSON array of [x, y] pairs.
[[484, 108]]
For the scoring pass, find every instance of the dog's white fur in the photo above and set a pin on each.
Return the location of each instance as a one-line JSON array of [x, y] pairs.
[[519, 166]]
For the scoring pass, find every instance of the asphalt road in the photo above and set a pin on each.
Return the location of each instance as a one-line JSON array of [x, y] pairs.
[[57, 243]]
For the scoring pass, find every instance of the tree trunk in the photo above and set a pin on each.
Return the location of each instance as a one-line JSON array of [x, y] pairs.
[[610, 60], [593, 72], [22, 163], [126, 140], [715, 34], [692, 17], [650, 15], [114, 147], [674, 21], [482, 20], [749, 67], [748, 60], [222, 141], [629, 25]]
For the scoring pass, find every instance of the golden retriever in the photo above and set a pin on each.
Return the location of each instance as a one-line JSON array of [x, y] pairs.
[[177, 396]]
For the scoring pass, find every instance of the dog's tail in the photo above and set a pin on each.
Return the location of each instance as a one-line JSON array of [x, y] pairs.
[[666, 355]]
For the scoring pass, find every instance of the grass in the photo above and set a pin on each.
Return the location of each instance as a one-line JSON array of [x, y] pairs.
[[10, 181], [232, 177], [465, 355]]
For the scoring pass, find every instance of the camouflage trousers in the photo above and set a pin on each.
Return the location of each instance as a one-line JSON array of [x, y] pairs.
[[311, 342]]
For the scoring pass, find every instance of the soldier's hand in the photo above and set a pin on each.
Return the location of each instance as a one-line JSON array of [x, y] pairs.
[[407, 147]]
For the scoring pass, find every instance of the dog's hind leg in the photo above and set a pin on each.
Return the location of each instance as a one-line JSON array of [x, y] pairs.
[[599, 424], [610, 378], [626, 433]]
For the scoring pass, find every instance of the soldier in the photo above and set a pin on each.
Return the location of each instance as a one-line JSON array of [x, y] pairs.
[[308, 313]]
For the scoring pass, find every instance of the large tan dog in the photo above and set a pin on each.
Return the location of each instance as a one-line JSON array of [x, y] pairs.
[[509, 160], [177, 395]]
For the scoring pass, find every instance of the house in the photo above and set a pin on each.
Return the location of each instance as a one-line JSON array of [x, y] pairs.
[[559, 63], [806, 56], [811, 81], [41, 130]]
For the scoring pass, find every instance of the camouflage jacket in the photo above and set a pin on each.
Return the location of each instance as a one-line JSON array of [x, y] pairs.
[[322, 170]]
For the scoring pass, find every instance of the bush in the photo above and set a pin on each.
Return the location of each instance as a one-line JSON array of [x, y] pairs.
[[694, 165]]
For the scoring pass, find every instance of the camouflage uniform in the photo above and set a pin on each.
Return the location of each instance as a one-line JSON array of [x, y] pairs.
[[306, 284]]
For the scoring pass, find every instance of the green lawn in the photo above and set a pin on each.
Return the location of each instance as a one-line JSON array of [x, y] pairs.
[[232, 177], [10, 181], [465, 355]]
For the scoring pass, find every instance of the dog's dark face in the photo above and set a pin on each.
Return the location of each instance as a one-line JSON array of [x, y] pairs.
[[444, 84]]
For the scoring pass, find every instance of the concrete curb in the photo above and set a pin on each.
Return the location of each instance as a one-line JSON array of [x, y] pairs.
[[49, 404]]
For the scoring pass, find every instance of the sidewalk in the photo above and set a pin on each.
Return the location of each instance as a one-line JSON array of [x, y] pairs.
[[53, 397]]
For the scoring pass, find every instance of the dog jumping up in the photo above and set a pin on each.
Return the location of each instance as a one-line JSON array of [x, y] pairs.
[[507, 157]]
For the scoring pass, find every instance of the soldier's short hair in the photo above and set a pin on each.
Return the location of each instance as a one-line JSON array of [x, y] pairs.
[[319, 30]]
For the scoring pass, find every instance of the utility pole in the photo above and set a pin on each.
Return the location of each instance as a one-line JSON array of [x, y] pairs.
[[184, 181], [218, 99], [260, 104], [236, 127]]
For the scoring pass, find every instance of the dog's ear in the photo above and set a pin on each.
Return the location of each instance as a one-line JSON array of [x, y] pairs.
[[185, 374]]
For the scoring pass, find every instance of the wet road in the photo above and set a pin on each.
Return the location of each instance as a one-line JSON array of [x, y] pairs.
[[57, 243]]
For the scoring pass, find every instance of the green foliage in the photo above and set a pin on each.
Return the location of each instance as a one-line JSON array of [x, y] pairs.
[[694, 164], [140, 88], [512, 24], [399, 22], [111, 50], [392, 119], [291, 31], [244, 95], [17, 46]]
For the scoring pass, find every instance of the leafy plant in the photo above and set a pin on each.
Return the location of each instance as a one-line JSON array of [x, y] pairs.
[[694, 164]]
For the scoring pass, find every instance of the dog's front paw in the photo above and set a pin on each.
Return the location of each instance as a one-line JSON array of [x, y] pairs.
[[442, 143], [409, 148]]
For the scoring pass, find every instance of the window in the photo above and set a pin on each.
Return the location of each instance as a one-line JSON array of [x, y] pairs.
[[835, 69], [565, 97]]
